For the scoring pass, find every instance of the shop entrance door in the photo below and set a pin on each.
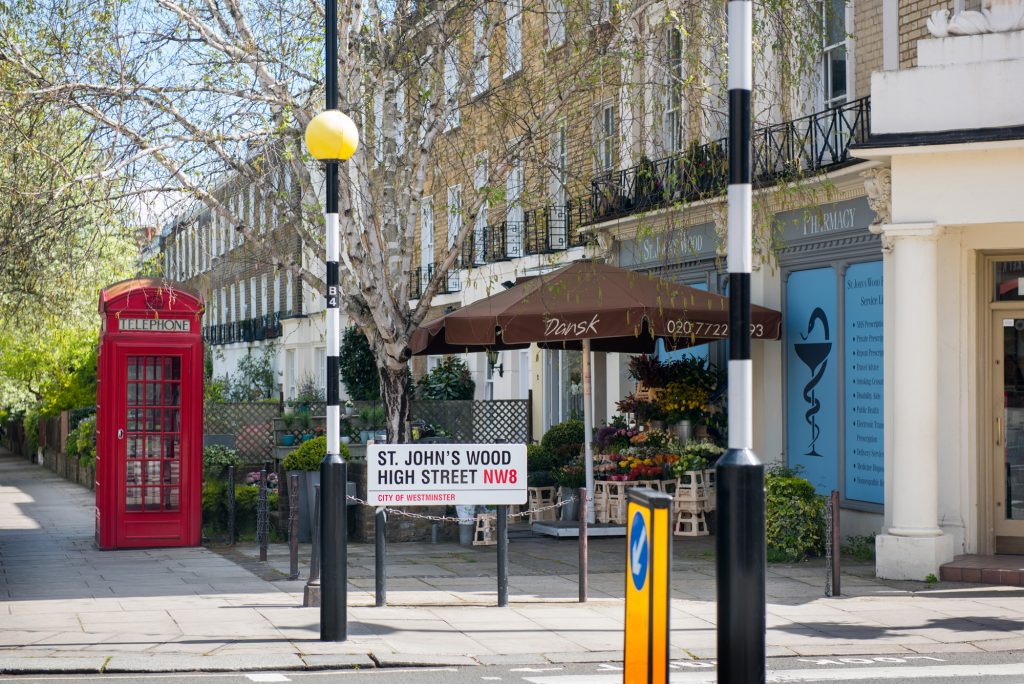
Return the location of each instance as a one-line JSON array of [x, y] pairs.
[[1008, 409], [149, 449]]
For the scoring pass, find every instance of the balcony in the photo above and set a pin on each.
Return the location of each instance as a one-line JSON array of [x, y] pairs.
[[789, 151], [420, 278]]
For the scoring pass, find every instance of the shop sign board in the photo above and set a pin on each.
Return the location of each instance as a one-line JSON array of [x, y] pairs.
[[445, 474], [823, 222], [669, 247]]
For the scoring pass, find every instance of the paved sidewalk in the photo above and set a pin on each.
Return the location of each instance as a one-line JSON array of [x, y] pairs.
[[68, 607]]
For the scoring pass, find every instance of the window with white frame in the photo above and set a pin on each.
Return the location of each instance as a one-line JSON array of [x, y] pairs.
[[320, 367], [223, 305], [513, 37], [426, 234], [231, 224], [559, 166], [514, 211], [834, 52], [454, 214], [451, 87], [277, 293], [378, 126], [234, 310], [263, 295], [607, 137], [556, 23], [252, 298], [481, 51], [673, 120], [289, 295], [480, 225], [252, 207], [400, 120]]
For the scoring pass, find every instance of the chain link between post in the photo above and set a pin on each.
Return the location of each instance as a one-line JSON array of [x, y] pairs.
[[445, 518]]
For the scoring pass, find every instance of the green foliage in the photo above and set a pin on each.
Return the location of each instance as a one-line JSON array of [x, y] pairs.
[[215, 506], [255, 378], [450, 379], [931, 578], [860, 547], [795, 524], [540, 458], [570, 475], [81, 442], [307, 393], [564, 440], [309, 455], [216, 459], [358, 367]]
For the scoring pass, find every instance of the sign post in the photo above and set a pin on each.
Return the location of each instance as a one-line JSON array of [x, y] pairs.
[[648, 563]]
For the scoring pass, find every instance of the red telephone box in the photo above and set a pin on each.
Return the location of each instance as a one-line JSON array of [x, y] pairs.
[[149, 416]]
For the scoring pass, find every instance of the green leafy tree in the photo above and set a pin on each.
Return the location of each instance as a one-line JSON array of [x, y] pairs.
[[450, 379], [358, 367]]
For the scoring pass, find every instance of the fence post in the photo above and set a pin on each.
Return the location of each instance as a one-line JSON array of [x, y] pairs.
[[262, 516], [380, 573], [231, 504], [833, 545], [584, 513], [294, 501], [502, 556], [529, 416]]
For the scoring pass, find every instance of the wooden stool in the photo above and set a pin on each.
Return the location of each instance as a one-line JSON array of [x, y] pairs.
[[600, 502], [540, 497], [485, 533], [690, 524]]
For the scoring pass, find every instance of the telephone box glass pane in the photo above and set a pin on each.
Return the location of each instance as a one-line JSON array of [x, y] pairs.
[[172, 368], [133, 499], [171, 499], [153, 420], [152, 394], [152, 499], [135, 447], [172, 391], [134, 420], [172, 420], [134, 394], [154, 368], [133, 367], [152, 446], [153, 472], [133, 475], [171, 473], [172, 447]]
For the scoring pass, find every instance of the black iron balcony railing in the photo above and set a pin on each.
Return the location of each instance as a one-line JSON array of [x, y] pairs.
[[782, 152], [421, 275]]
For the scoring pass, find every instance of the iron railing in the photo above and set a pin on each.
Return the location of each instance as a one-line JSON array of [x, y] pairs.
[[781, 152], [265, 327], [420, 278]]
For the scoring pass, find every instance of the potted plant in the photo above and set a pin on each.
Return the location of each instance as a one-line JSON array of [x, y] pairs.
[[350, 408], [305, 462], [304, 423], [569, 478], [216, 459], [372, 417], [288, 438]]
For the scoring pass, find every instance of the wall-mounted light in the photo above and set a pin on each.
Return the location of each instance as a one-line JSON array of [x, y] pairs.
[[492, 363]]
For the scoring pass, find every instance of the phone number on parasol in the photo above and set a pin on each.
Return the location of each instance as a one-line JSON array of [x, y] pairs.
[[445, 474]]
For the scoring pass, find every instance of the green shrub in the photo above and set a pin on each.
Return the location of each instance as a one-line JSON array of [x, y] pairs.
[[215, 506], [358, 367], [450, 379], [564, 441], [81, 444], [309, 455], [795, 523], [860, 547], [539, 464], [216, 459]]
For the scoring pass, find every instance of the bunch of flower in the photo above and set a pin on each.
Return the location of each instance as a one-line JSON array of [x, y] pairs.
[[683, 401], [611, 439], [697, 456], [253, 479], [639, 467]]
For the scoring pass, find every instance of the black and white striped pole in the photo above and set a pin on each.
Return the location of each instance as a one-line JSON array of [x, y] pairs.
[[331, 137], [740, 541]]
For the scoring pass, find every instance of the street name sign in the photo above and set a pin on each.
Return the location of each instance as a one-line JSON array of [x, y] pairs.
[[445, 474]]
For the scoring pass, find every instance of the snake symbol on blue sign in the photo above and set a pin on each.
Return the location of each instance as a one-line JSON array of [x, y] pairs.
[[638, 552]]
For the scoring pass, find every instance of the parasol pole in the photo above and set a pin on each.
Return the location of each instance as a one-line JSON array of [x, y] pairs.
[[588, 430]]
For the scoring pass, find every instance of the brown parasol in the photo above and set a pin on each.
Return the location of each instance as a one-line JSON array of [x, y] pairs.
[[616, 309], [590, 306]]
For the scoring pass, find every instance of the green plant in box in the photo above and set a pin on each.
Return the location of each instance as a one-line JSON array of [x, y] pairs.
[[309, 455]]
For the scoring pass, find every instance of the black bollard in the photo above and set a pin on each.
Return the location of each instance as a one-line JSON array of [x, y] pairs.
[[584, 551], [502, 556], [334, 570], [740, 565], [294, 501], [263, 516], [380, 523], [231, 504]]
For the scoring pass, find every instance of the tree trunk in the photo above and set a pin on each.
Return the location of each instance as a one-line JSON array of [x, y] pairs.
[[394, 392]]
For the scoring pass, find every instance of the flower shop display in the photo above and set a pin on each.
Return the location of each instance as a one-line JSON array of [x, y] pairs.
[[686, 392]]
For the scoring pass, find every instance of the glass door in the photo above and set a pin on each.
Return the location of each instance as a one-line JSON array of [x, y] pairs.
[[1009, 431], [152, 435]]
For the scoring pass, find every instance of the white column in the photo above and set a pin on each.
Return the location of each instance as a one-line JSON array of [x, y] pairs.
[[914, 545]]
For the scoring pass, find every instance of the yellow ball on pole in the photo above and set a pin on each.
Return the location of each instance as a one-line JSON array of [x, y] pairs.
[[332, 135]]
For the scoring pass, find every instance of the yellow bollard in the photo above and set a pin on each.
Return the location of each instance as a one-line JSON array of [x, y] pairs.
[[648, 566]]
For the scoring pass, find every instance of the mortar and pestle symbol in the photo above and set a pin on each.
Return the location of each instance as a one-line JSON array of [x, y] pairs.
[[815, 357]]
